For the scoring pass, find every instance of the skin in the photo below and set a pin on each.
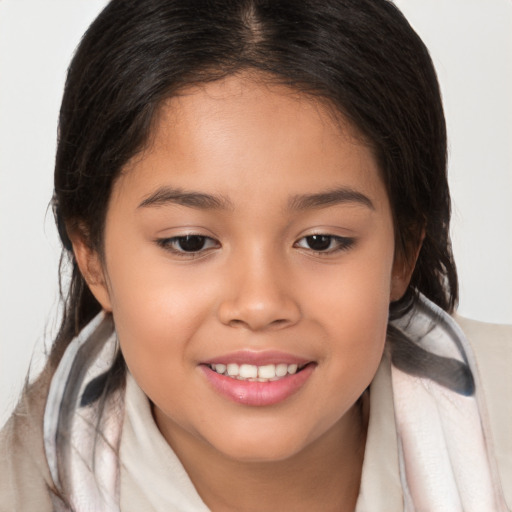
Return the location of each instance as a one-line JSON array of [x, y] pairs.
[[256, 285]]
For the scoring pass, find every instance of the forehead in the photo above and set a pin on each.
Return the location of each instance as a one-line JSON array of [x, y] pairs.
[[225, 133], [253, 102]]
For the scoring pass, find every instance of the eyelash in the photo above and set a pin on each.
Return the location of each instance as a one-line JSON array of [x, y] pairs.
[[172, 244], [341, 243]]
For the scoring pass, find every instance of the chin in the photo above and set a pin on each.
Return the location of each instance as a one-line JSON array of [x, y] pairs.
[[264, 452], [261, 446]]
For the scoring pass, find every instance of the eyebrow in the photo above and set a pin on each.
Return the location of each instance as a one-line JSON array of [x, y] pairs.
[[169, 195], [328, 198], [202, 201]]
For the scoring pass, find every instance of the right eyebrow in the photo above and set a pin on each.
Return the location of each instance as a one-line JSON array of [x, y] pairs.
[[192, 199], [341, 195]]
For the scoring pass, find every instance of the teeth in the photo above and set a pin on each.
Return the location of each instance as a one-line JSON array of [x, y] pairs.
[[220, 368], [292, 368], [232, 370], [248, 371], [281, 370], [266, 373]]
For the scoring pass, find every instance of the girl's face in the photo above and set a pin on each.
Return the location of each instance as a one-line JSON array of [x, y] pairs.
[[254, 236]]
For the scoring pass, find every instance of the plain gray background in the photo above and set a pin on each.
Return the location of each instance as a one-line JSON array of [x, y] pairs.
[[471, 44]]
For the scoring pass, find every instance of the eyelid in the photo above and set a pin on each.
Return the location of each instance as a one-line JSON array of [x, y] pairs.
[[344, 243], [168, 244]]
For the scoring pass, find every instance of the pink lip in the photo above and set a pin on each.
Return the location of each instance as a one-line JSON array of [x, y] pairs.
[[258, 358], [258, 393]]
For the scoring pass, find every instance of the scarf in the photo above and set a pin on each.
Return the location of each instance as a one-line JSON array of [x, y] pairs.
[[445, 456]]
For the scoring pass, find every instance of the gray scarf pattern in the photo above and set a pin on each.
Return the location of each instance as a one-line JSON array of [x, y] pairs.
[[446, 461]]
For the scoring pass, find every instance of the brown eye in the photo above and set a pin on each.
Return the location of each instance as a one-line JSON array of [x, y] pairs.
[[325, 244], [188, 244], [191, 243], [319, 242]]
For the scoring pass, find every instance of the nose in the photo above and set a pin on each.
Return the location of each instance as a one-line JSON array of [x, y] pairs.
[[260, 296]]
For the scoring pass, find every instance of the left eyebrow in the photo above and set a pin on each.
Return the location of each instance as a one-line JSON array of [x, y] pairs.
[[192, 199], [329, 198]]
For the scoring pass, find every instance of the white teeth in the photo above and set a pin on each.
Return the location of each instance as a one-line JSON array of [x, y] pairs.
[[220, 368], [232, 370], [248, 371], [265, 373], [292, 368], [281, 370]]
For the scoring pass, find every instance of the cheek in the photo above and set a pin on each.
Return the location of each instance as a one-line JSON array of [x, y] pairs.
[[352, 303], [157, 308], [156, 322], [357, 291]]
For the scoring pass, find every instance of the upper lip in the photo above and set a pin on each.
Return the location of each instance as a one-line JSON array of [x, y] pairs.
[[258, 358]]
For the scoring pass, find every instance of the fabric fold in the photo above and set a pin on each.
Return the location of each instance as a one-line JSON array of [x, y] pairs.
[[446, 460], [82, 439], [443, 449]]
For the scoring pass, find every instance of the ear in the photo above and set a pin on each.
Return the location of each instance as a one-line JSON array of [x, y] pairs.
[[403, 268], [90, 265]]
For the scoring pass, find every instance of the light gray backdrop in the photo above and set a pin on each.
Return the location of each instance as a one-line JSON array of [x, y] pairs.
[[471, 44]]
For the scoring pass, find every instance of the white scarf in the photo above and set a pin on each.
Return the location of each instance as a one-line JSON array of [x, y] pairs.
[[446, 461]]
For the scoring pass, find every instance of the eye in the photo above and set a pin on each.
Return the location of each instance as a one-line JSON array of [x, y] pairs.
[[325, 243], [188, 244]]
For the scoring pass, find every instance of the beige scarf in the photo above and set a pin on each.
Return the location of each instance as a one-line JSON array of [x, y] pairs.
[[446, 461]]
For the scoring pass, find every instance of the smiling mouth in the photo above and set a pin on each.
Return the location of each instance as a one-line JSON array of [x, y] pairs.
[[254, 373]]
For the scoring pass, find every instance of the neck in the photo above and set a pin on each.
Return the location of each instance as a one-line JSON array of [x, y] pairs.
[[325, 475]]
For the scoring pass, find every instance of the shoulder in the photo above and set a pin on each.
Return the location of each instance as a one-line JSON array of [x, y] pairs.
[[25, 482], [483, 334], [492, 347]]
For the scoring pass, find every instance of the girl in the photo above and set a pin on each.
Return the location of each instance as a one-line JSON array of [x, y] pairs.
[[253, 198]]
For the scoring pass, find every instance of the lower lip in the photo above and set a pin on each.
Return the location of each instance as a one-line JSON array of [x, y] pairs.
[[258, 393]]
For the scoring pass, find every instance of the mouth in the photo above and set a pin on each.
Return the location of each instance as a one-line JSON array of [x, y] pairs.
[[258, 378], [255, 373]]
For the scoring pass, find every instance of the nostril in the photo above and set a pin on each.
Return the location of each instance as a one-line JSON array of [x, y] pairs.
[[254, 313], [279, 322], [236, 323]]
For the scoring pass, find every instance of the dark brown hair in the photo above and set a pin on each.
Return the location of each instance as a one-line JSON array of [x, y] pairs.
[[361, 56]]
